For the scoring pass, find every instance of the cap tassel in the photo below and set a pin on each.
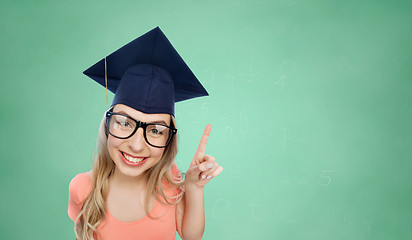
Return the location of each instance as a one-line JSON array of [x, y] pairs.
[[105, 79]]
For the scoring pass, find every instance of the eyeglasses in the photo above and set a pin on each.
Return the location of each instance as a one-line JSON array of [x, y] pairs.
[[122, 126]]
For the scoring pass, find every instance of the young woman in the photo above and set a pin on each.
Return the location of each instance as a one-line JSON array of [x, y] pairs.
[[135, 190]]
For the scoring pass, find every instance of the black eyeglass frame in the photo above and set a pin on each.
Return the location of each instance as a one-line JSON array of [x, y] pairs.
[[139, 124]]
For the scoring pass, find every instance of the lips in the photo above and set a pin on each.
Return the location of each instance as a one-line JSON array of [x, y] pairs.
[[132, 160]]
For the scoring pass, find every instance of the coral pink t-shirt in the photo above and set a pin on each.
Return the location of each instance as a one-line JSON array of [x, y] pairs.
[[111, 228]]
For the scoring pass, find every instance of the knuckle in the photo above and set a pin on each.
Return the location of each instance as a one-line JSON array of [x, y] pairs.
[[210, 158]]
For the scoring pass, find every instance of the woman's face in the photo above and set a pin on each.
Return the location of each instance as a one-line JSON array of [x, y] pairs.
[[133, 156]]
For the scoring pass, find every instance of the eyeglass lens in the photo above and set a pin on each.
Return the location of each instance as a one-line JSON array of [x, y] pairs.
[[123, 127]]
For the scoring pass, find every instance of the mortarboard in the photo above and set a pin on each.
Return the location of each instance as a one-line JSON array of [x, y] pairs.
[[148, 75]]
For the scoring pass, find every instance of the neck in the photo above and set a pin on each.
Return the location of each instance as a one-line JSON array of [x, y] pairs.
[[128, 183]]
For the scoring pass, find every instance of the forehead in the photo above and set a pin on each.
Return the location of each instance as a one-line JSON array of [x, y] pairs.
[[141, 116]]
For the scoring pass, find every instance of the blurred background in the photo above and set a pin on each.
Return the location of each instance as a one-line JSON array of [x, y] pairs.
[[310, 105]]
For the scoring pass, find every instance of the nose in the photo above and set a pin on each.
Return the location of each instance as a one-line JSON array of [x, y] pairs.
[[137, 142]]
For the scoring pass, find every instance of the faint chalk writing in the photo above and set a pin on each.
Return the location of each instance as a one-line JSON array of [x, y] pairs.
[[220, 208], [235, 172], [249, 76], [255, 210], [211, 80], [287, 69], [286, 137], [229, 84], [326, 178], [244, 124], [306, 175]]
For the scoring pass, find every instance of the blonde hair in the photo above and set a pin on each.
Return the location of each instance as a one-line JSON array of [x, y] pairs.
[[93, 210]]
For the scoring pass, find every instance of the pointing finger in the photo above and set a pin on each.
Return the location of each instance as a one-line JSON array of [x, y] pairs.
[[203, 141]]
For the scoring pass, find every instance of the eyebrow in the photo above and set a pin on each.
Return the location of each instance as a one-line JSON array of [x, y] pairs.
[[158, 121]]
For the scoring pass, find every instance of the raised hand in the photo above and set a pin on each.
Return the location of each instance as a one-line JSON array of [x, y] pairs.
[[203, 167]]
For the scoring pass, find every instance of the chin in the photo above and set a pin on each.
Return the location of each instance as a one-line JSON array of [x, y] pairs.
[[126, 171]]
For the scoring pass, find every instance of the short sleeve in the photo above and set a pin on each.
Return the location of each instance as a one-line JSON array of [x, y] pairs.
[[79, 189]]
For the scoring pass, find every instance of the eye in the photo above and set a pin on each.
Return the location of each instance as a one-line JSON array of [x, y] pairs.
[[126, 124], [122, 122], [155, 130]]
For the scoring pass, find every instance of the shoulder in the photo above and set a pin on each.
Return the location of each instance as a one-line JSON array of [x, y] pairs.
[[80, 187], [175, 174], [170, 183], [175, 171]]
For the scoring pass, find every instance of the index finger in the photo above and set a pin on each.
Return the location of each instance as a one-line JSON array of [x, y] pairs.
[[203, 141]]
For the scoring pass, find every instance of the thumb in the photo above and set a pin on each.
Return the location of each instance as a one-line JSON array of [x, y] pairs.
[[192, 173]]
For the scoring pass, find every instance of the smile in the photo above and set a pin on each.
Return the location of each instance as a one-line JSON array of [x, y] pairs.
[[132, 161]]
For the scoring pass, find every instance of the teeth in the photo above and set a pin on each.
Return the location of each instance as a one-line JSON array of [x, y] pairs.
[[132, 159]]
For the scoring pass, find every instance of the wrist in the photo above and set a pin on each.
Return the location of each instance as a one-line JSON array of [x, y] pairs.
[[192, 187]]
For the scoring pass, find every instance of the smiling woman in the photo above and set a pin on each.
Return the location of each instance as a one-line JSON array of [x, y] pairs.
[[134, 149], [135, 189]]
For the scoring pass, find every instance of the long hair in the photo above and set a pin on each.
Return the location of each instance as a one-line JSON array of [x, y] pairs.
[[93, 210]]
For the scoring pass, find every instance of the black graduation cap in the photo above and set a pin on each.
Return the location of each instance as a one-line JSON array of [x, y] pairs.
[[148, 75]]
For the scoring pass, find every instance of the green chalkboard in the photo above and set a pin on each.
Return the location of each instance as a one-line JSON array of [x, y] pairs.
[[310, 106]]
